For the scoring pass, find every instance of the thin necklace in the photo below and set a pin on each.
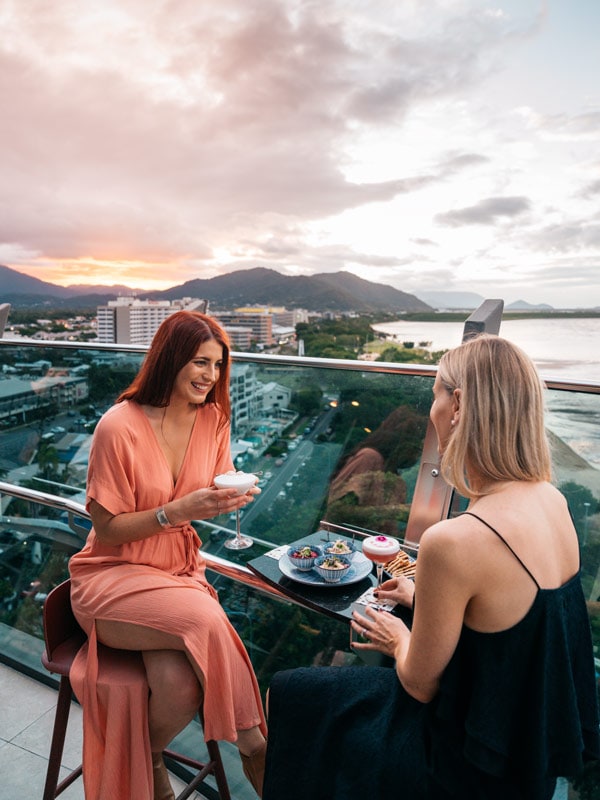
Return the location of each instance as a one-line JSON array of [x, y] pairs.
[[162, 432]]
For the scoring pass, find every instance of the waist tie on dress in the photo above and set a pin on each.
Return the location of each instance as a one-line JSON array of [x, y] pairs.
[[192, 547], [194, 563]]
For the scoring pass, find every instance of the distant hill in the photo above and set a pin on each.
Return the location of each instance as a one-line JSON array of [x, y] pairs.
[[463, 301], [115, 288], [23, 291], [15, 284], [339, 291], [523, 305]]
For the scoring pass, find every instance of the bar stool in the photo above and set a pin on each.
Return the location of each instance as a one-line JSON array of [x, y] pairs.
[[63, 638]]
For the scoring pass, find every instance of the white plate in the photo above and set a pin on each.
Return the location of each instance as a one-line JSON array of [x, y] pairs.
[[360, 568]]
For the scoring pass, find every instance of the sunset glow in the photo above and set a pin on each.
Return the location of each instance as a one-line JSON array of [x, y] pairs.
[[452, 145], [140, 275]]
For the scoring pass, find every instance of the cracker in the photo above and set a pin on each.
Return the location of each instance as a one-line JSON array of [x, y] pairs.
[[401, 564]]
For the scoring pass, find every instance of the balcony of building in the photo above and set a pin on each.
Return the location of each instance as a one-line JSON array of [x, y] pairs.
[[335, 408]]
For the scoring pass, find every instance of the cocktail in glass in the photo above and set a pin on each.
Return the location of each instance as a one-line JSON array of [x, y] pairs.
[[241, 482], [380, 549]]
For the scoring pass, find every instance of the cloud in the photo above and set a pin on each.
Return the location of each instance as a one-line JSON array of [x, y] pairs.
[[568, 236], [194, 137], [561, 273], [137, 132], [425, 242], [579, 126], [590, 190], [457, 162], [486, 212]]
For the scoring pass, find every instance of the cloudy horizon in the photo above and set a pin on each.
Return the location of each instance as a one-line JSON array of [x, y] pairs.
[[452, 145]]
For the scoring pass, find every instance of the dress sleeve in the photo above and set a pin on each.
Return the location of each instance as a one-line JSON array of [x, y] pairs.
[[111, 473]]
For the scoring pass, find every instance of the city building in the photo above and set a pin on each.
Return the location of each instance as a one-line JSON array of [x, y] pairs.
[[283, 334], [240, 337], [243, 391], [259, 320], [274, 397], [128, 320], [25, 397], [289, 317]]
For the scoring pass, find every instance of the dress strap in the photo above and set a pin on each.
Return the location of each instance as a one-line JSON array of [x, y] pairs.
[[487, 524]]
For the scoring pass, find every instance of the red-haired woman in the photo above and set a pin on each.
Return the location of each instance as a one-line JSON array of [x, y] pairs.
[[139, 582]]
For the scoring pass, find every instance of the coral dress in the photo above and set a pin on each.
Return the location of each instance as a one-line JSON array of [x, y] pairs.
[[158, 582]]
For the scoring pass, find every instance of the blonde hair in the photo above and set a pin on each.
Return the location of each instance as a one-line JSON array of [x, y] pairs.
[[499, 434]]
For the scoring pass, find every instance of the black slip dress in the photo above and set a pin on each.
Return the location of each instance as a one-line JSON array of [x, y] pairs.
[[515, 709]]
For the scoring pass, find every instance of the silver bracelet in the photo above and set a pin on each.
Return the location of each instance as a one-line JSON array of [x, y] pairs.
[[162, 518]]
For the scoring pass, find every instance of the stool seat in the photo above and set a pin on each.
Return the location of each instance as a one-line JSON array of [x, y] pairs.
[[119, 669]]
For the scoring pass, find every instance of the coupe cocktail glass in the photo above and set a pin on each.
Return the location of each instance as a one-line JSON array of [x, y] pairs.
[[241, 482], [380, 549]]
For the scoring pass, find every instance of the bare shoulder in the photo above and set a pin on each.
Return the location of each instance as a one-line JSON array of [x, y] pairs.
[[452, 542], [554, 495], [448, 532]]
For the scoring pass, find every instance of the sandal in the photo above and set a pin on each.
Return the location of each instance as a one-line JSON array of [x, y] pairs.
[[162, 785]]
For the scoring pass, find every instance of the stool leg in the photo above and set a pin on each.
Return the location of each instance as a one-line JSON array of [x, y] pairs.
[[63, 707], [218, 770], [213, 766]]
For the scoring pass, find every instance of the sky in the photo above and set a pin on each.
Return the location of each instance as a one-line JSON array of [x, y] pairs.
[[431, 145]]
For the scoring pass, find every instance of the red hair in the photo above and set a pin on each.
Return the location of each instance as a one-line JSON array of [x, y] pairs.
[[175, 344]]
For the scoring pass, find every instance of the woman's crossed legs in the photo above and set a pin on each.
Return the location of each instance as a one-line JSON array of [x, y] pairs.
[[175, 682]]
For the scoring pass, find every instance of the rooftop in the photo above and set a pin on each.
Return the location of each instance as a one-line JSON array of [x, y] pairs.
[[278, 635]]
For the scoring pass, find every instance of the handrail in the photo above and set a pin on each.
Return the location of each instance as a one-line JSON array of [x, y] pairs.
[[425, 370], [397, 368], [236, 572]]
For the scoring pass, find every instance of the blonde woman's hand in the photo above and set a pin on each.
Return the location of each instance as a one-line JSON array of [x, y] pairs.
[[400, 591], [382, 629]]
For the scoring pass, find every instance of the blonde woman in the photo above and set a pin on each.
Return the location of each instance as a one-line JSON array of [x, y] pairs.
[[493, 694]]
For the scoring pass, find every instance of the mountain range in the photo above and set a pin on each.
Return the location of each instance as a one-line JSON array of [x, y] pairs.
[[338, 291], [467, 301]]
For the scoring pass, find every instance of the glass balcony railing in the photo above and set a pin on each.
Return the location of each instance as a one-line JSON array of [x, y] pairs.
[[333, 440]]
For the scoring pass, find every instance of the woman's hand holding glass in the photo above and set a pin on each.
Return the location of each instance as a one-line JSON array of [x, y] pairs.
[[208, 503], [382, 630], [400, 591]]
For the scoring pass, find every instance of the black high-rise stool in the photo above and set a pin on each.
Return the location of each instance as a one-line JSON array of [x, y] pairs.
[[63, 638]]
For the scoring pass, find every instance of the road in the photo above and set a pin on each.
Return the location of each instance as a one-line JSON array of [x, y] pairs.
[[298, 459]]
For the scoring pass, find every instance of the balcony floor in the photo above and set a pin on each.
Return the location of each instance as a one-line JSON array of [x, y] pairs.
[[26, 720], [26, 727]]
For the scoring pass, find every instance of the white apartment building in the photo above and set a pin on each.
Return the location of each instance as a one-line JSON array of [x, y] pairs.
[[275, 397], [245, 397], [288, 317], [128, 320]]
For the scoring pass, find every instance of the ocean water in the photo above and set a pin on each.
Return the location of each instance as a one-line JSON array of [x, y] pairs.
[[561, 348], [564, 349]]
